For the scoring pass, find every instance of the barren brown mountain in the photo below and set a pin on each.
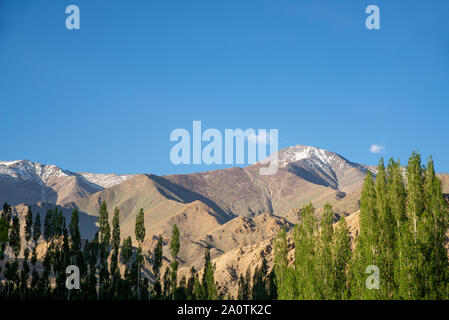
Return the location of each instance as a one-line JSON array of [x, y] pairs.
[[236, 212]]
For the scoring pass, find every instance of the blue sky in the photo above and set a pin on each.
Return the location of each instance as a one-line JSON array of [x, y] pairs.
[[106, 97]]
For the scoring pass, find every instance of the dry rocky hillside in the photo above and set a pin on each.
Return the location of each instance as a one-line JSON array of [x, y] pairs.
[[236, 212]]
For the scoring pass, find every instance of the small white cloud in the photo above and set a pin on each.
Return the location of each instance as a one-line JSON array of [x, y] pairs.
[[375, 148]]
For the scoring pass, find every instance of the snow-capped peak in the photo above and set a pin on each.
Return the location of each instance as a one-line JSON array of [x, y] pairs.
[[30, 171], [41, 173], [297, 153], [314, 157]]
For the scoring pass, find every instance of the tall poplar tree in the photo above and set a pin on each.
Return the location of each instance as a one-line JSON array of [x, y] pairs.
[[48, 225], [14, 236], [387, 237], [75, 235], [103, 224], [37, 229], [397, 197], [306, 254], [157, 264], [174, 250], [341, 258], [140, 237], [410, 278], [28, 224], [326, 279], [435, 225], [366, 252], [210, 289], [285, 275]]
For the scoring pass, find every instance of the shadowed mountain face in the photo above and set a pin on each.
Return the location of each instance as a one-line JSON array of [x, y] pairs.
[[322, 167], [305, 174]]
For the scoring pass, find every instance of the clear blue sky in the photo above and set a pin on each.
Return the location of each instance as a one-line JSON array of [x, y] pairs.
[[106, 97]]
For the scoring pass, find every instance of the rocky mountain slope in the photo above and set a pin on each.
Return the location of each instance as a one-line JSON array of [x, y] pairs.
[[236, 212], [29, 182]]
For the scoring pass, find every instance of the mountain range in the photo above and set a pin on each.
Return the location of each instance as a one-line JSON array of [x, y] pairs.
[[235, 211]]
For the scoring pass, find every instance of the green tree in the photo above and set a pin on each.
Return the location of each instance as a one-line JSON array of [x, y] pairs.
[[14, 236], [341, 258], [243, 289], [115, 255], [28, 224], [435, 225], [260, 289], [140, 237], [326, 279], [24, 273], [37, 228], [167, 284], [412, 261], [6, 213], [306, 254], [4, 227], [285, 275], [387, 236], [75, 231], [58, 222], [116, 229], [174, 250], [367, 244], [157, 258], [209, 286], [140, 227], [190, 288], [127, 250], [103, 224], [397, 197], [48, 226]]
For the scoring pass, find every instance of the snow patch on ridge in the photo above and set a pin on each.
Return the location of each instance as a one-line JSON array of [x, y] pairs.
[[33, 171], [104, 180]]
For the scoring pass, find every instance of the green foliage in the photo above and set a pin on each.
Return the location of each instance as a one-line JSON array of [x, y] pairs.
[[14, 236], [103, 225], [243, 289], [402, 231], [116, 230], [3, 231], [37, 230], [6, 213], [75, 231], [140, 227], [387, 234], [48, 226], [28, 224], [306, 255], [127, 250], [174, 249], [157, 258], [341, 258], [367, 243], [210, 290], [285, 275], [261, 282], [325, 264]]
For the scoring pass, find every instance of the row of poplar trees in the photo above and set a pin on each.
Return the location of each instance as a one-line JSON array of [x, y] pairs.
[[98, 261], [402, 233]]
